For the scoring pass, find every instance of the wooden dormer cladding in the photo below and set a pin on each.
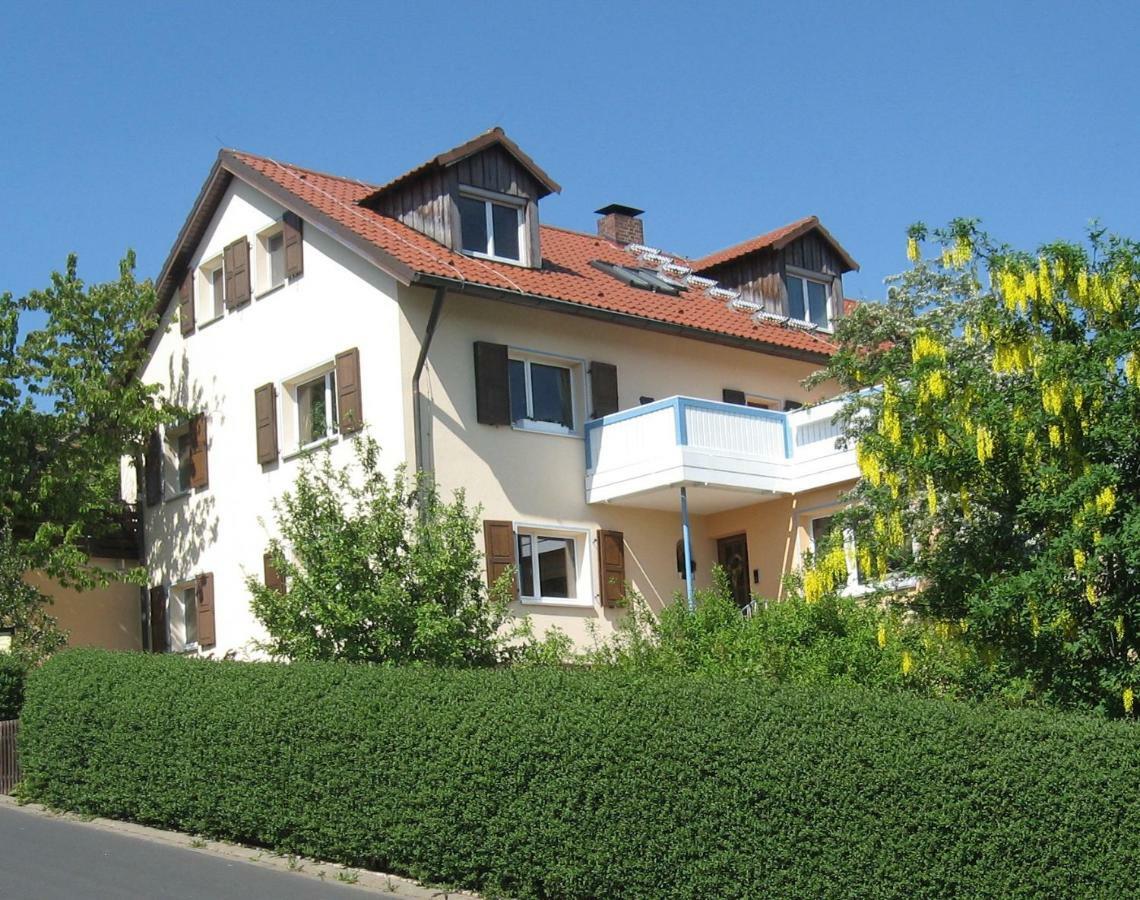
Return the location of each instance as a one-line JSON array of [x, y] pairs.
[[426, 198], [759, 274]]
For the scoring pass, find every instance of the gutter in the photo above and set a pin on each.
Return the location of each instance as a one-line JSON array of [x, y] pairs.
[[425, 345]]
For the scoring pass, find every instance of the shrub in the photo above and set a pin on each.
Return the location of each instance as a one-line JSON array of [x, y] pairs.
[[11, 686], [544, 782]]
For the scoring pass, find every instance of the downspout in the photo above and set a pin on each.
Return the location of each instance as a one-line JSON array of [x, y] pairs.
[[425, 345]]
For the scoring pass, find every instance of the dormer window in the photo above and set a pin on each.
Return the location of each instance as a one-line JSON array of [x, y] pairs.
[[492, 225], [808, 299]]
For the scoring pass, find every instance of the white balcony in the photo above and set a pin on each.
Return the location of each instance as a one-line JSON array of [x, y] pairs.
[[726, 455]]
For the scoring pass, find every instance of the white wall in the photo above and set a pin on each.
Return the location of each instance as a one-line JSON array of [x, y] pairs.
[[338, 303]]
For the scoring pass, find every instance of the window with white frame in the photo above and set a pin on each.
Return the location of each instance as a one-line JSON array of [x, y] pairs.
[[552, 566], [861, 582], [182, 617], [211, 290], [270, 259], [313, 414], [809, 299], [491, 225], [177, 467], [543, 392]]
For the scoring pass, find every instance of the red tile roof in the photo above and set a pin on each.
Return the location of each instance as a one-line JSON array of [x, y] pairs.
[[566, 274], [760, 242]]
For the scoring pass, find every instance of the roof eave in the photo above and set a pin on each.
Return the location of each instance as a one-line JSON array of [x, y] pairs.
[[628, 319]]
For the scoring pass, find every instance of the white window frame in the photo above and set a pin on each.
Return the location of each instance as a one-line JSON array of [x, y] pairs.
[[291, 408], [264, 267], [819, 278], [171, 467], [216, 308], [583, 580], [775, 404], [176, 602], [855, 587], [491, 197], [577, 369]]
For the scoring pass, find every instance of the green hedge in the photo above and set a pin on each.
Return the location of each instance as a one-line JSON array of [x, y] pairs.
[[11, 686], [547, 783]]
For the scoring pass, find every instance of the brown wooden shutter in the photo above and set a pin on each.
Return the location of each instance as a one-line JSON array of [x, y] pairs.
[[292, 230], [732, 395], [349, 411], [274, 580], [153, 468], [199, 465], [204, 600], [611, 555], [186, 303], [499, 542], [158, 619], [236, 261], [265, 414], [603, 389], [492, 384]]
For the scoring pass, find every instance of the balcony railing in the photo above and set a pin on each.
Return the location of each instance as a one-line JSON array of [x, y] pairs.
[[687, 441]]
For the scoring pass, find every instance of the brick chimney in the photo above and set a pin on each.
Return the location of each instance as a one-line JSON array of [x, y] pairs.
[[620, 224]]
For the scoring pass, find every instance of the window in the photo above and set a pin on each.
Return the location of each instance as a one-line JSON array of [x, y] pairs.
[[182, 616], [808, 300], [270, 259], [645, 279], [542, 393], [211, 290], [177, 464], [862, 582], [551, 566], [310, 408], [491, 227]]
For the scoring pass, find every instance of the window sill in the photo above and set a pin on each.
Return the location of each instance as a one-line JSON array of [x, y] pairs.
[[310, 448], [177, 496], [552, 430], [475, 254], [210, 322], [556, 601], [888, 584], [265, 292]]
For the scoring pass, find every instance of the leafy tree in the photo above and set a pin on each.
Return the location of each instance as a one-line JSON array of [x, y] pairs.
[[378, 570], [997, 425], [71, 406]]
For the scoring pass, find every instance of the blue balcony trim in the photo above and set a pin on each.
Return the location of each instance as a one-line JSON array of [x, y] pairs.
[[679, 405]]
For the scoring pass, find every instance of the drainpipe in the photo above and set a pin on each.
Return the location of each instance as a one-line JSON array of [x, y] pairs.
[[688, 540], [425, 345]]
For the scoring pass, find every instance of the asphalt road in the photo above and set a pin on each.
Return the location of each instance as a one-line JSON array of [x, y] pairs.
[[45, 858]]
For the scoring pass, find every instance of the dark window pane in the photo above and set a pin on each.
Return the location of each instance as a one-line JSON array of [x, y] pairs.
[[473, 224], [505, 220], [526, 566], [556, 567], [518, 390], [817, 303], [550, 394], [795, 297], [184, 462]]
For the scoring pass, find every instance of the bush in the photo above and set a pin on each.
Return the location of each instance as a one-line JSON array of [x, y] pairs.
[[11, 687], [551, 783]]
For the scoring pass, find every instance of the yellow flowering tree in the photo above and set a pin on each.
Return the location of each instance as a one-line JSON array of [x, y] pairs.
[[996, 419]]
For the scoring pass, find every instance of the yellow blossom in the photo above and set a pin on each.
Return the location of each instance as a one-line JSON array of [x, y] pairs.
[[943, 441], [868, 462], [912, 252], [1129, 700], [1043, 279], [881, 636], [1080, 560], [1055, 436], [985, 440], [1090, 594], [1053, 397], [907, 662], [1082, 286], [1131, 369], [1106, 501], [931, 496]]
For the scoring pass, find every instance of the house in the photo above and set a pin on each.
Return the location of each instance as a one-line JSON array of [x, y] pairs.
[[623, 415]]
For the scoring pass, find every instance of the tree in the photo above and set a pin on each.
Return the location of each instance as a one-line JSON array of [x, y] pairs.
[[71, 406], [378, 570], [997, 425]]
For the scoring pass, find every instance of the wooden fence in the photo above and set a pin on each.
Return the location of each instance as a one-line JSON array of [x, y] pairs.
[[9, 760]]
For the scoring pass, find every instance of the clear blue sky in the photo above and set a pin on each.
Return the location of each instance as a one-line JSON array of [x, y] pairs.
[[722, 120]]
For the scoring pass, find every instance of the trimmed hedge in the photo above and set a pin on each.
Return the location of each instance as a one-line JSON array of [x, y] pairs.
[[548, 783], [12, 673]]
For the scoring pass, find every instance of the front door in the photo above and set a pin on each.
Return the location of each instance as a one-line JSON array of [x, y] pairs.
[[732, 554]]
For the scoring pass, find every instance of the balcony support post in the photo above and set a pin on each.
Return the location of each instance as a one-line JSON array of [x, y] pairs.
[[686, 536]]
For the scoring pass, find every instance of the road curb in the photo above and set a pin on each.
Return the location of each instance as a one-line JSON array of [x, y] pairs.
[[366, 880]]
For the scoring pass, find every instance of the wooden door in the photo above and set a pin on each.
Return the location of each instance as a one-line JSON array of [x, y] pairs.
[[732, 554]]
